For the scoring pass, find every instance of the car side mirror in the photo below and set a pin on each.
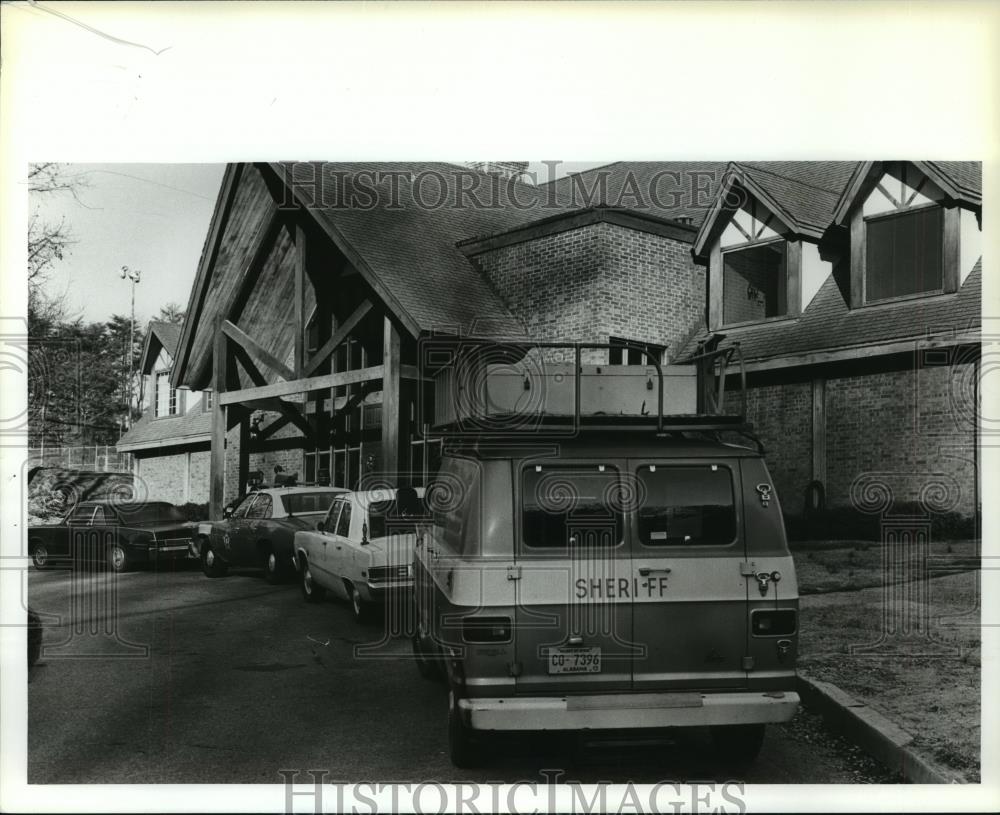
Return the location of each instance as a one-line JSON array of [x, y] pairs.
[[320, 527], [227, 512], [364, 533]]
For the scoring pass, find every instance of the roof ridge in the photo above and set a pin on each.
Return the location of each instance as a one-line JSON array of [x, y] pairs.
[[751, 165], [588, 170]]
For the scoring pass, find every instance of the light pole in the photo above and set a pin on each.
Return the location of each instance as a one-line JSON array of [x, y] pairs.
[[133, 275]]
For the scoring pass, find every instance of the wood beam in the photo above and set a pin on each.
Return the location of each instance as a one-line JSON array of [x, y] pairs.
[[272, 428], [244, 454], [390, 400], [715, 283], [299, 306], [337, 339], [315, 383], [243, 340], [858, 257], [793, 277], [217, 460], [952, 260], [819, 430]]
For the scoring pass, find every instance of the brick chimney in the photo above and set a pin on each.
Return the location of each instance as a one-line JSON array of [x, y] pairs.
[[506, 169]]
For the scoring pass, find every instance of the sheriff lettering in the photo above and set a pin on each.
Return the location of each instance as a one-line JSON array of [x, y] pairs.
[[620, 588]]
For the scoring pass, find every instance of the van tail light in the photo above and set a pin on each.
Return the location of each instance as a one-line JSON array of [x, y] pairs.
[[777, 622], [487, 629]]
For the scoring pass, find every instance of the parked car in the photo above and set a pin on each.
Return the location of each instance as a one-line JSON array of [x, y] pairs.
[[258, 531], [122, 534], [362, 551], [621, 579]]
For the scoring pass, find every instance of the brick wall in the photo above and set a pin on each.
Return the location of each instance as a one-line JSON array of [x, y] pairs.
[[908, 427], [903, 428], [199, 476], [782, 417], [163, 476], [598, 281]]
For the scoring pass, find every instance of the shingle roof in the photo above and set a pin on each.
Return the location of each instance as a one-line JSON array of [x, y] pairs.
[[194, 426], [407, 241], [159, 335], [829, 324], [807, 190]]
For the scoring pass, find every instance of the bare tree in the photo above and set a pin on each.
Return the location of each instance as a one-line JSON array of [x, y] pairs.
[[48, 241], [171, 313]]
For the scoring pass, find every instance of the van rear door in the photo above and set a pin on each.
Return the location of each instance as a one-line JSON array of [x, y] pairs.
[[573, 615], [690, 598]]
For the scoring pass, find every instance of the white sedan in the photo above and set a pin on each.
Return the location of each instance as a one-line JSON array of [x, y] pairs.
[[362, 551]]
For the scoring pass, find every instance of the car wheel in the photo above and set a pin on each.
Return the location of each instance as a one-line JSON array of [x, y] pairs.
[[211, 564], [362, 611], [738, 743], [311, 591], [40, 556], [464, 750], [273, 571], [118, 558]]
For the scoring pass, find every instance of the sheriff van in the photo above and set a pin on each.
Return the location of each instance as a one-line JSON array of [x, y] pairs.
[[630, 574]]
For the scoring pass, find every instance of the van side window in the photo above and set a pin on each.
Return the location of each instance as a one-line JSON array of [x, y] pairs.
[[452, 499], [571, 507], [686, 506]]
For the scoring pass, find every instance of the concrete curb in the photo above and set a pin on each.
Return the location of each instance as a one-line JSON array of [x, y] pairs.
[[872, 732]]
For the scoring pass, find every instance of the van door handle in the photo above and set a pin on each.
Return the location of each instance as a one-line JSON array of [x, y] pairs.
[[646, 571]]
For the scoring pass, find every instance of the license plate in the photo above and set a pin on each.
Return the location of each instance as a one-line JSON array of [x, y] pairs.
[[574, 660]]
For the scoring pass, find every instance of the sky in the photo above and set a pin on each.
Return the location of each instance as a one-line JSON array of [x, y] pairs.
[[150, 217]]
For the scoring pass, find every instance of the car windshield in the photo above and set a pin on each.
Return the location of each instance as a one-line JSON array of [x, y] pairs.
[[397, 517], [304, 503], [156, 512]]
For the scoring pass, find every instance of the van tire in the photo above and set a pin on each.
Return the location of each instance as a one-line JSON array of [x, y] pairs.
[[464, 751], [738, 743]]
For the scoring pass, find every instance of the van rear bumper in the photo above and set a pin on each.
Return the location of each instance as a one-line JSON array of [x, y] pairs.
[[634, 710]]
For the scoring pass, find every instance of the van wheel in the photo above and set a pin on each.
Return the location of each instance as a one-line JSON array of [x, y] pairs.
[[211, 564], [738, 743], [363, 612], [465, 752], [311, 591]]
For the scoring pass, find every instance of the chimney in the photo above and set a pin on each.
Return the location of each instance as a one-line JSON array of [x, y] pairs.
[[505, 169]]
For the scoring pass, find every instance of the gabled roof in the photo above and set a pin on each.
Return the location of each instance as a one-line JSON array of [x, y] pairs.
[[830, 325], [404, 243], [194, 427], [960, 180], [160, 335], [802, 194]]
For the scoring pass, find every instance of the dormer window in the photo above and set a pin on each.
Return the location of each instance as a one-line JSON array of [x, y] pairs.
[[755, 282], [904, 253], [164, 397]]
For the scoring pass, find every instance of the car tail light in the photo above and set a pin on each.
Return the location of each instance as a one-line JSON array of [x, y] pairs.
[[486, 629], [382, 574], [778, 622]]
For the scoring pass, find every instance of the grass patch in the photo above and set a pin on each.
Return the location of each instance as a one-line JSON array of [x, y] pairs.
[[927, 680]]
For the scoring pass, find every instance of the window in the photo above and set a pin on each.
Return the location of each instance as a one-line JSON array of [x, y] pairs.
[[330, 522], [165, 397], [303, 503], [261, 507], [754, 283], [243, 506], [400, 516], [571, 508], [344, 524], [904, 254], [82, 516], [100, 518], [622, 352], [206, 400], [686, 506]]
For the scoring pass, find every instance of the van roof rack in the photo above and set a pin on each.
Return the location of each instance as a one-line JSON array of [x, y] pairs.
[[713, 368]]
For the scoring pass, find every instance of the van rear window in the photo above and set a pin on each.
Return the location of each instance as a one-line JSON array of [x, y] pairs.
[[571, 508], [686, 506]]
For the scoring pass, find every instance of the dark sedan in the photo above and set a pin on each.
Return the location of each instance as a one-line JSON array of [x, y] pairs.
[[122, 534], [259, 530]]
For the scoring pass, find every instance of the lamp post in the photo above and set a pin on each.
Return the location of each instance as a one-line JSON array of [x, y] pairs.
[[133, 275]]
